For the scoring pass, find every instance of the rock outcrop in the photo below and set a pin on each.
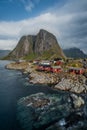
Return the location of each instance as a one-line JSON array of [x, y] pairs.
[[44, 45], [18, 66], [73, 83], [48, 112], [39, 111], [43, 78]]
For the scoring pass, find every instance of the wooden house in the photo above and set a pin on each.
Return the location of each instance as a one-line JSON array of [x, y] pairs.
[[45, 62], [75, 70], [56, 69], [58, 61], [47, 68]]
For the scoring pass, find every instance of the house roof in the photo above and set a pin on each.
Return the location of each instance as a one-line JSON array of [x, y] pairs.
[[56, 67], [47, 65], [75, 68]]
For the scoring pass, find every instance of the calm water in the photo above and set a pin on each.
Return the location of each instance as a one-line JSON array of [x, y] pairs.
[[13, 86]]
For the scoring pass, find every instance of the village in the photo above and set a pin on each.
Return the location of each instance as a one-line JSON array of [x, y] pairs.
[[69, 75], [59, 65]]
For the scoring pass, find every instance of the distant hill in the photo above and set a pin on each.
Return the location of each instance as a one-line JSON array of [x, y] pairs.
[[44, 45], [74, 53], [3, 53]]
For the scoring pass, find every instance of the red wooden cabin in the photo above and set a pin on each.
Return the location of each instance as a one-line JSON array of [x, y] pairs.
[[44, 68], [56, 69], [48, 68], [58, 61], [76, 70]]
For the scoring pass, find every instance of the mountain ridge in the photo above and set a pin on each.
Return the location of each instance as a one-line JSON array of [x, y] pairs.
[[74, 53], [42, 45]]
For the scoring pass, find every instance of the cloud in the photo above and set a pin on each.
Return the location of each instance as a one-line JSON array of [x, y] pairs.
[[7, 44], [73, 32], [14, 30], [68, 23], [29, 4]]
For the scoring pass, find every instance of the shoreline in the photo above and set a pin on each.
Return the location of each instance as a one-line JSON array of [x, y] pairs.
[[42, 78], [57, 81], [51, 80]]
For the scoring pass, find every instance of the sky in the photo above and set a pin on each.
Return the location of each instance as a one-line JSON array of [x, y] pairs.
[[66, 19]]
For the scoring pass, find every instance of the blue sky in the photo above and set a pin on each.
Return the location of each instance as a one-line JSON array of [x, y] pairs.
[[22, 9], [66, 19]]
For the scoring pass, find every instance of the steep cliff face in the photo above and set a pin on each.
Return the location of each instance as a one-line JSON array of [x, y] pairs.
[[24, 47], [43, 45], [46, 42]]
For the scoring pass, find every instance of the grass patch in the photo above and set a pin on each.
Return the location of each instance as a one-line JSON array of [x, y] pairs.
[[30, 57]]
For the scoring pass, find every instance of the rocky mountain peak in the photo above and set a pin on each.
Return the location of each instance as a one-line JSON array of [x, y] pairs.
[[43, 45]]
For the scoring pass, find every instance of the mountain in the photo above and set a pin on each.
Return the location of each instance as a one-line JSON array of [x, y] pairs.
[[44, 45], [74, 53], [3, 53]]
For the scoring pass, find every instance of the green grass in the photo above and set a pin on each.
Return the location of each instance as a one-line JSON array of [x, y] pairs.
[[46, 55], [30, 57], [50, 54]]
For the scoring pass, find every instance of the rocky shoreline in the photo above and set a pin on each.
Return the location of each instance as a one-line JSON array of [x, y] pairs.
[[59, 81], [42, 107]]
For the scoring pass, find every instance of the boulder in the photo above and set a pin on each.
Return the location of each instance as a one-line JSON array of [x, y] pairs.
[[77, 101], [74, 83]]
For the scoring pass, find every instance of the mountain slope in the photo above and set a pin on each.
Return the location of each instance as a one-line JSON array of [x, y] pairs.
[[74, 53], [43, 45]]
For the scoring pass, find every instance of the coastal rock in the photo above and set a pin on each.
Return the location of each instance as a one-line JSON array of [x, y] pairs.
[[39, 111], [77, 101], [25, 67], [53, 111], [17, 66], [74, 83], [73, 122], [43, 78]]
